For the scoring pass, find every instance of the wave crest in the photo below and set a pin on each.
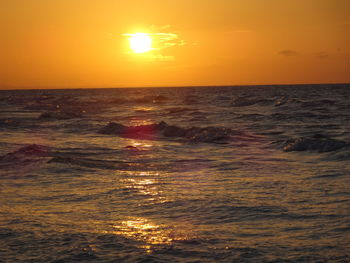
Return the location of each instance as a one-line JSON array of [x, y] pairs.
[[315, 144], [193, 134]]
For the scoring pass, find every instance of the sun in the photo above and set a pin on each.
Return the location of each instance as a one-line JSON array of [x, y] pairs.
[[140, 42]]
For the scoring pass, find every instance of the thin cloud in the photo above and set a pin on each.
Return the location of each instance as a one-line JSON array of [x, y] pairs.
[[166, 40], [161, 39], [288, 53]]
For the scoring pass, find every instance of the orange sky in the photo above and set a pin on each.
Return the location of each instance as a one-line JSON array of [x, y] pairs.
[[82, 43]]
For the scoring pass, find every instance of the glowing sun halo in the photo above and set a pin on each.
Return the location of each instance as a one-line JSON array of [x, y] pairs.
[[140, 42]]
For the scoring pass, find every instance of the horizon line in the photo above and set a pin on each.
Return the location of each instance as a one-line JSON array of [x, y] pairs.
[[7, 88]]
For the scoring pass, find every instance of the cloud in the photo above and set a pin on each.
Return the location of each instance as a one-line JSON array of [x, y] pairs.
[[162, 38], [288, 53], [166, 40]]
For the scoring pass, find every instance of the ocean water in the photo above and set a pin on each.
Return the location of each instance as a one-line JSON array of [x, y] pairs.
[[196, 174]]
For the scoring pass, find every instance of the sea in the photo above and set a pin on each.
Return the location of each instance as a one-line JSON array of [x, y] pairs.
[[182, 174]]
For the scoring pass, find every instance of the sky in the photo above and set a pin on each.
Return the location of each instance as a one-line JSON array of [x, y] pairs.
[[86, 43]]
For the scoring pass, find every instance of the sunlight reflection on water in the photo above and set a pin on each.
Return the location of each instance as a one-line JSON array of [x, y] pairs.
[[141, 144], [145, 184], [144, 230]]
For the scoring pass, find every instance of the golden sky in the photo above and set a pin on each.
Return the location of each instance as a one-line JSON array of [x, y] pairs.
[[85, 43]]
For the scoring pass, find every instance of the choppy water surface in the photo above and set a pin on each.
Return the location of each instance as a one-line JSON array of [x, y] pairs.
[[207, 174]]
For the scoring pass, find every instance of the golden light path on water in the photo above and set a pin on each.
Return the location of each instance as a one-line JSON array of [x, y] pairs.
[[144, 187], [141, 145], [144, 230]]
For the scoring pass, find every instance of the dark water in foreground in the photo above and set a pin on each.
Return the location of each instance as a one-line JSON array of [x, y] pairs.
[[212, 174]]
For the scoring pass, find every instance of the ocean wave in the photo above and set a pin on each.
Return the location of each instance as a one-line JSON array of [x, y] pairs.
[[281, 101], [90, 163], [193, 134], [33, 150], [318, 103], [35, 154], [177, 110], [24, 160], [55, 107], [59, 115], [343, 155], [157, 99], [317, 143], [249, 101], [252, 117], [9, 122]]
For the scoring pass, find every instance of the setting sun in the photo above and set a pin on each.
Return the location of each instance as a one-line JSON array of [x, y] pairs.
[[140, 42]]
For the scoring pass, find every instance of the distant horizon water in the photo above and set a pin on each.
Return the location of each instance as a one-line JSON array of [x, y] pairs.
[[9, 87]]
